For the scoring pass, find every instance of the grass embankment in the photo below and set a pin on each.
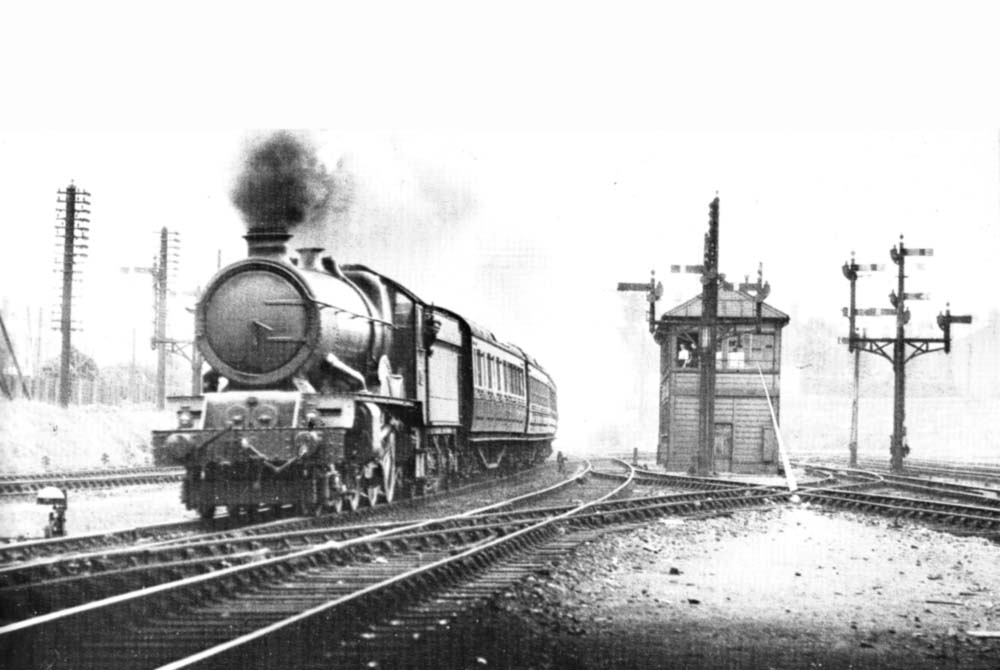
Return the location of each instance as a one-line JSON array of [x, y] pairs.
[[75, 437]]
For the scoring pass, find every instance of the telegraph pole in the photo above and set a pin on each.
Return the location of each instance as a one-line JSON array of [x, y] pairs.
[[708, 335], [166, 260], [162, 271], [903, 348], [160, 320], [709, 321], [74, 231], [709, 325], [711, 280]]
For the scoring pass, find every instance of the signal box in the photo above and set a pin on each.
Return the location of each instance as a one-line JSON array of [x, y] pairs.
[[748, 347]]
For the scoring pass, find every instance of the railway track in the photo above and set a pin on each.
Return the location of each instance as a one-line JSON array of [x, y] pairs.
[[666, 479], [38, 587], [15, 552], [362, 594], [11, 485], [174, 531], [247, 613], [976, 518], [974, 494], [986, 473], [33, 641]]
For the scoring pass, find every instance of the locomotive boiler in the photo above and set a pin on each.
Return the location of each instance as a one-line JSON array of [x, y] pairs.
[[331, 385]]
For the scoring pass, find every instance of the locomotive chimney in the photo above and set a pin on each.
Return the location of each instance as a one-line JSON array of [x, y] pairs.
[[308, 256], [267, 243]]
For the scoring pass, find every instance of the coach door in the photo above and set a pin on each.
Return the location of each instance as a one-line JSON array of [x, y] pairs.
[[724, 447]]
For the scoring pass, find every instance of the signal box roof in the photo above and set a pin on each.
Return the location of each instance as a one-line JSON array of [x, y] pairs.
[[733, 304]]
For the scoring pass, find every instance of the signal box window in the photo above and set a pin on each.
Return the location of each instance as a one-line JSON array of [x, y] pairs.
[[686, 353], [759, 349], [732, 355]]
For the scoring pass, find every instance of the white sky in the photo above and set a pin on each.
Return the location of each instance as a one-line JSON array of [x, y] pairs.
[[515, 164]]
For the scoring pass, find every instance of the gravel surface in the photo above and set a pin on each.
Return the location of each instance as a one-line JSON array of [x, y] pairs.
[[785, 588], [96, 511]]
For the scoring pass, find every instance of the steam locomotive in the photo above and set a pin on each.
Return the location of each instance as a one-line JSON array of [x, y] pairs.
[[331, 385]]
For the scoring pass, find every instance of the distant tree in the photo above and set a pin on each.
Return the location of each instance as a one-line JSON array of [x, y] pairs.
[[81, 366]]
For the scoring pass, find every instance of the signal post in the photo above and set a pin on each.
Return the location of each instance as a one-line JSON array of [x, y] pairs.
[[903, 349], [709, 316]]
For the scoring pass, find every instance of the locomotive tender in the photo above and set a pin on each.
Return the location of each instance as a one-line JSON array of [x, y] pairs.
[[332, 384]]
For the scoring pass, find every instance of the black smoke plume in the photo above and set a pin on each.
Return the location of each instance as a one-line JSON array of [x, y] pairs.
[[283, 183]]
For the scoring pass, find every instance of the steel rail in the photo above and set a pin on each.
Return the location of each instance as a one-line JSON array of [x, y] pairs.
[[950, 513], [230, 654], [985, 472], [648, 477], [220, 547], [86, 472], [29, 549], [980, 495], [471, 559], [35, 637], [44, 586], [89, 480], [96, 544], [34, 549]]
